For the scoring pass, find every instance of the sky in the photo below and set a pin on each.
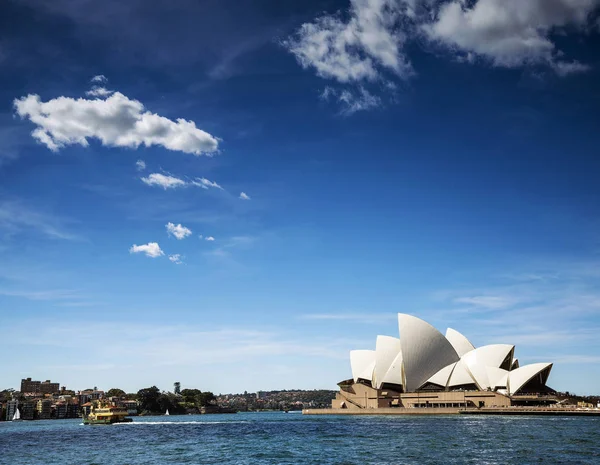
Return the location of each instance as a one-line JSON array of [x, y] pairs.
[[235, 194]]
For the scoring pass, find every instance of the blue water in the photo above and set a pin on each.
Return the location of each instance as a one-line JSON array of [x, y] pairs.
[[279, 438]]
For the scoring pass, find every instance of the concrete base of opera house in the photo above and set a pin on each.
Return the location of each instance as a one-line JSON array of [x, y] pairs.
[[382, 411], [358, 398]]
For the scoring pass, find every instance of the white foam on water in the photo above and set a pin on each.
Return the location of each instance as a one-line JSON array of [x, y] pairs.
[[179, 423]]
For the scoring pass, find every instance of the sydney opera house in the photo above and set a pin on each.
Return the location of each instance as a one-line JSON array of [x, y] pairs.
[[423, 368]]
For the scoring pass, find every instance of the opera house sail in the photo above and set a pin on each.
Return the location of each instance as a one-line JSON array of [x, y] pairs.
[[425, 368]]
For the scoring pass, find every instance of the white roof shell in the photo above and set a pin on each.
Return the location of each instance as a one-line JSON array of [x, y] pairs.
[[460, 343], [387, 349], [479, 359], [441, 377], [425, 351], [497, 377], [395, 373], [522, 375], [460, 376], [362, 363]]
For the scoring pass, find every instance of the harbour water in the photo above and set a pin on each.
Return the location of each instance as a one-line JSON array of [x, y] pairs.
[[280, 438]]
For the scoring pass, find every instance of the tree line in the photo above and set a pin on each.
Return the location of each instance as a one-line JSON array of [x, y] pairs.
[[152, 400]]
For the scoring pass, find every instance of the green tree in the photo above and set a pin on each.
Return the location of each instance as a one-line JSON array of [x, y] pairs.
[[206, 398], [115, 392], [148, 399]]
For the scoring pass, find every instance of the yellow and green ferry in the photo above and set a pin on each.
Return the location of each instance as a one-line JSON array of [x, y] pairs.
[[103, 413]]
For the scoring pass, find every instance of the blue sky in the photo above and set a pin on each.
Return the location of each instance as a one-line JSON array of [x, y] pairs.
[[434, 158]]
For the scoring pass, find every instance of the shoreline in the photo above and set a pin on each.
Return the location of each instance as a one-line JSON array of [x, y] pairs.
[[456, 411]]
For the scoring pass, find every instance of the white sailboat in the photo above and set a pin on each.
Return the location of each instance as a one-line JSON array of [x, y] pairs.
[[17, 416], [167, 412]]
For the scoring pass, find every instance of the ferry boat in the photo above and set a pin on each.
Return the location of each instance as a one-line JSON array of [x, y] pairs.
[[104, 413]]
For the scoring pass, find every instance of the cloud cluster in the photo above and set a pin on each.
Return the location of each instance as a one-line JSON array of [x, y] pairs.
[[175, 258], [116, 121], [356, 48], [180, 232], [367, 43], [351, 101], [151, 249]]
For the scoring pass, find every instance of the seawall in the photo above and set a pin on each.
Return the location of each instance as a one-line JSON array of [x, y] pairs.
[[382, 411], [544, 411]]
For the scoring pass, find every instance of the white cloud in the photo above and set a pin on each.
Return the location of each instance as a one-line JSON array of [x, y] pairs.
[[244, 196], [140, 165], [176, 258], [99, 78], [486, 301], [177, 230], [205, 183], [367, 43], [116, 121], [365, 317], [510, 33], [97, 91], [358, 48], [151, 249], [164, 181], [209, 238], [171, 182], [352, 101]]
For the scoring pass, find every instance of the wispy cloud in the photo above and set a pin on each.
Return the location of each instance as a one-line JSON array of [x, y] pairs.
[[205, 183], [366, 317], [18, 218], [46, 295], [486, 301], [177, 348], [176, 258], [244, 196], [99, 78], [163, 180], [140, 165], [166, 181]]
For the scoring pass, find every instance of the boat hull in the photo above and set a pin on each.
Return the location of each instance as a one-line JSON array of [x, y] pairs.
[[108, 421]]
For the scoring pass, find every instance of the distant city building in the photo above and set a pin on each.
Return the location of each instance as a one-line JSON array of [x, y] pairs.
[[90, 395], [60, 410], [39, 387], [11, 408], [44, 409], [27, 410]]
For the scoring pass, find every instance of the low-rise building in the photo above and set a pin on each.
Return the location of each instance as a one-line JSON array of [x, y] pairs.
[[11, 408], [27, 410], [44, 409], [60, 410]]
